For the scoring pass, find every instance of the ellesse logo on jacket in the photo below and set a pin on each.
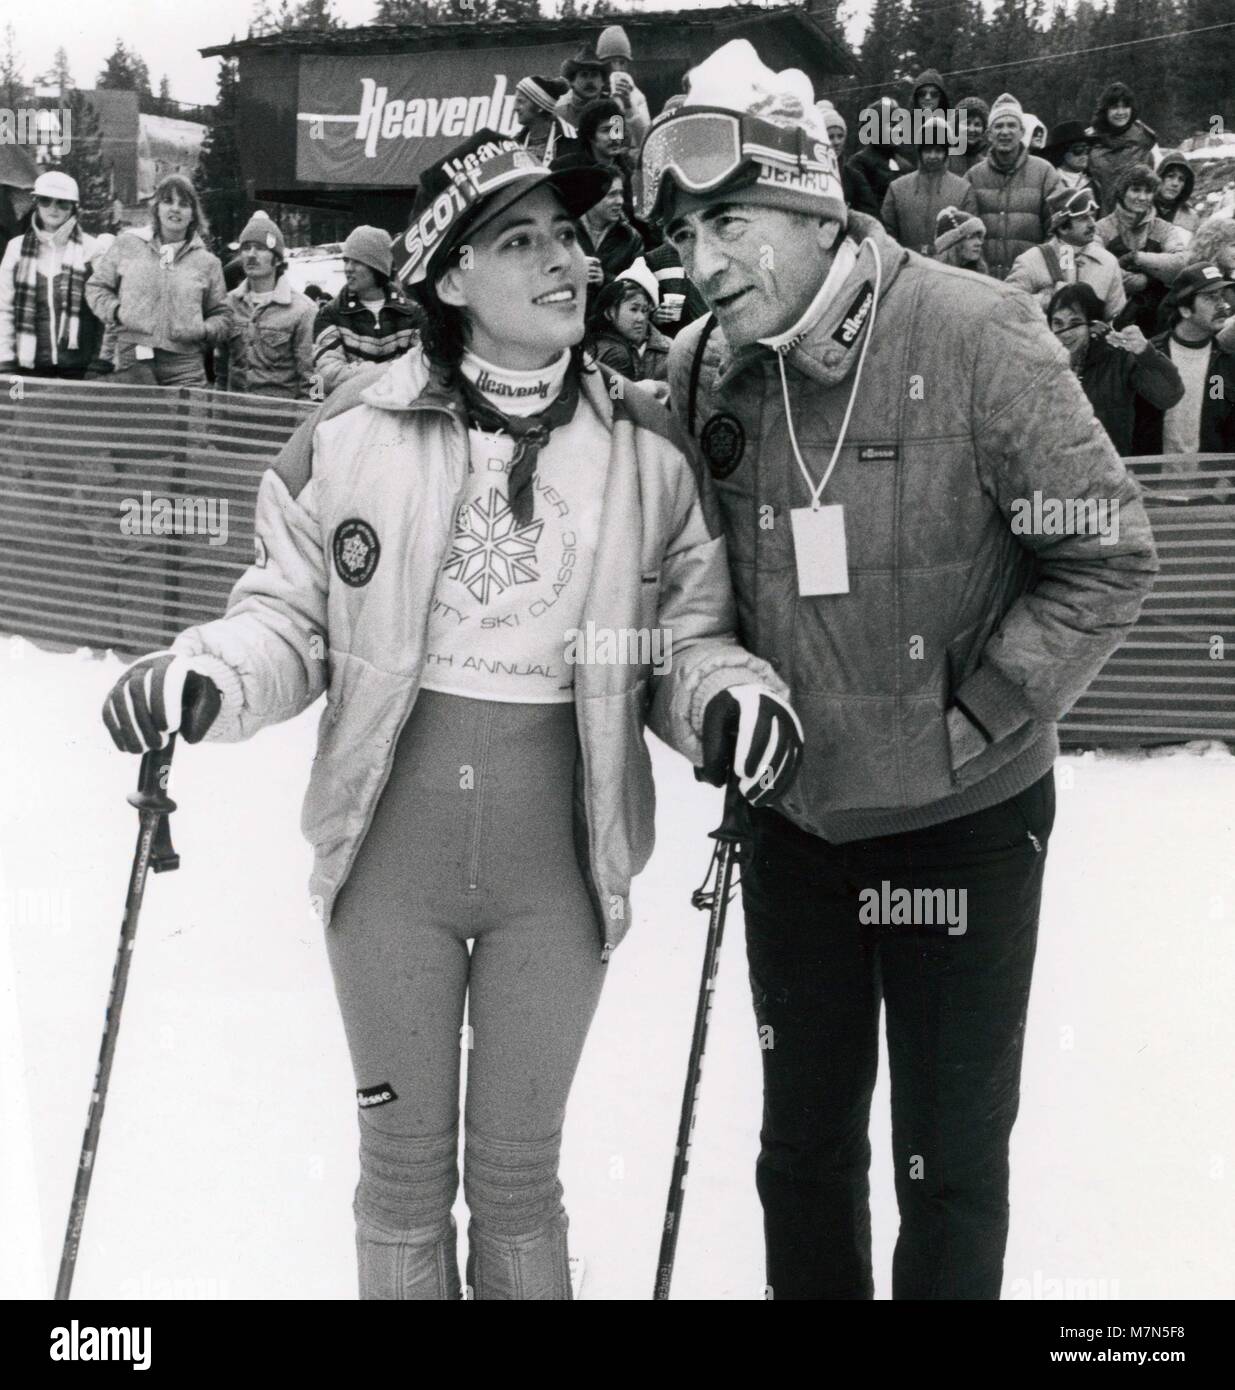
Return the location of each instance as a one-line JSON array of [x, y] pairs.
[[855, 317]]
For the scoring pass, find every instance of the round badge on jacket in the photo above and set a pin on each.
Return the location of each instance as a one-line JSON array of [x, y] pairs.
[[356, 551], [723, 441]]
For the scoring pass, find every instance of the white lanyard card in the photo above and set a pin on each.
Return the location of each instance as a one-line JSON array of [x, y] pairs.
[[819, 550]]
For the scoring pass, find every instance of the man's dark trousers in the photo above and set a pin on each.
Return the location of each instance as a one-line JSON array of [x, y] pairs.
[[956, 1004]]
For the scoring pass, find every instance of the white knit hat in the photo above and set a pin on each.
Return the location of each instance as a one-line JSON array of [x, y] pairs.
[[736, 79], [831, 116], [1006, 105], [55, 183], [641, 273], [613, 43]]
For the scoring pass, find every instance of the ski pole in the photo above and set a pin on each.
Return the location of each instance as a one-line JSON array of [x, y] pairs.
[[732, 831], [154, 851]]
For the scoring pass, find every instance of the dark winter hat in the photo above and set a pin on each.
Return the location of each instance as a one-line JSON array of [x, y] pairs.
[[1063, 204], [1136, 175], [1061, 136], [1192, 281], [585, 57], [954, 225], [975, 104], [929, 78], [262, 229], [474, 182], [544, 92]]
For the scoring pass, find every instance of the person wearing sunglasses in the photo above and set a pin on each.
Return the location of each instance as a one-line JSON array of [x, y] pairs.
[[870, 427], [46, 327], [433, 550], [1118, 368], [1067, 148]]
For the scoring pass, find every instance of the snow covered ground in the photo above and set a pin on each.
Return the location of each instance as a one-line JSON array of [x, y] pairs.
[[228, 1154]]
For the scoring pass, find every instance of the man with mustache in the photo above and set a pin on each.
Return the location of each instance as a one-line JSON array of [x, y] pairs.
[[872, 431]]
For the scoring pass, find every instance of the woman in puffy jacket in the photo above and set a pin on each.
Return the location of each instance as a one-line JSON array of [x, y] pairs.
[[1120, 141], [1150, 252], [163, 292], [46, 327], [499, 571]]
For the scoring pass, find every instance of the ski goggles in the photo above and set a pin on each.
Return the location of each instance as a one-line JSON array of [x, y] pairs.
[[703, 148]]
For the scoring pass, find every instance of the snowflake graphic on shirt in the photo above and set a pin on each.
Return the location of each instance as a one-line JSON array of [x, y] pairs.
[[490, 552]]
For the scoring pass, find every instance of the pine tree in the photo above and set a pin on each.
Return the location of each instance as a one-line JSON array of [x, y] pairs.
[[313, 14], [126, 72], [218, 177], [165, 105], [883, 58], [1145, 67], [1203, 65], [12, 83], [84, 161], [938, 34]]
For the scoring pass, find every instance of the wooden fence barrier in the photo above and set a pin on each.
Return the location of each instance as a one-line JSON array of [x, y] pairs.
[[93, 551], [88, 469]]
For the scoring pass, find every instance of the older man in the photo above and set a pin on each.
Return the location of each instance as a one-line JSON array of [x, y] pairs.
[[887, 446], [1012, 187]]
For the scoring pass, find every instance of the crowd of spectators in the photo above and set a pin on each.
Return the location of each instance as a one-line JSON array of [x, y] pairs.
[[1092, 219]]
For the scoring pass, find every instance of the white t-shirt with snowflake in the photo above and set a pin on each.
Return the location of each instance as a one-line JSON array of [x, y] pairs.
[[507, 595]]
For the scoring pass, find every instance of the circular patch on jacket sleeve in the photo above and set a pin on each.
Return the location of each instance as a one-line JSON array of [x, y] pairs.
[[723, 442], [356, 551]]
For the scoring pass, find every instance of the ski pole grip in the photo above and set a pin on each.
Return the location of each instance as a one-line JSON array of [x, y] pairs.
[[151, 798], [735, 824]]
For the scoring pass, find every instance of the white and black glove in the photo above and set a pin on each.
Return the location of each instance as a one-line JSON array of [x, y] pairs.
[[159, 695], [755, 736]]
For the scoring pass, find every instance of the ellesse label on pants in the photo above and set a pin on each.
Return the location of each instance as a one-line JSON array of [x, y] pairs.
[[376, 1095]]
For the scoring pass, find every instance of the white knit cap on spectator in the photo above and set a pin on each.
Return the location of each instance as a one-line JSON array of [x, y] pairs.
[[613, 43], [831, 116], [736, 79], [641, 273], [56, 184], [1007, 105]]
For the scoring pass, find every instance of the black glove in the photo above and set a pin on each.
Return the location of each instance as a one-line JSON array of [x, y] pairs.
[[754, 735], [160, 695]]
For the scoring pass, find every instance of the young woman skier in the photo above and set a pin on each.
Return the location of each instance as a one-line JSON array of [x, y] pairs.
[[455, 549]]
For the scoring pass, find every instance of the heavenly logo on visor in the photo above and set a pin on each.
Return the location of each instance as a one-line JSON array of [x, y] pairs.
[[472, 177], [851, 324]]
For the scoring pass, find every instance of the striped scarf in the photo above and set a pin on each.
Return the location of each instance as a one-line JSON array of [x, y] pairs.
[[67, 294]]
